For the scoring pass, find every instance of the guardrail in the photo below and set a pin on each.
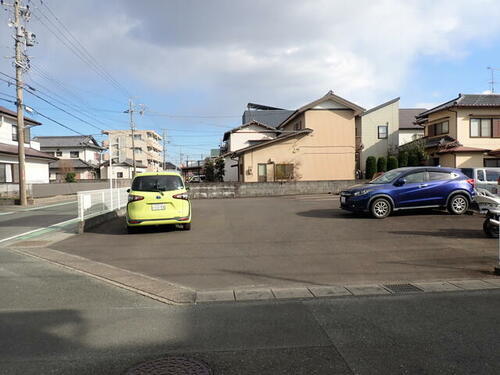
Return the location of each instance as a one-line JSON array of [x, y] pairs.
[[93, 203]]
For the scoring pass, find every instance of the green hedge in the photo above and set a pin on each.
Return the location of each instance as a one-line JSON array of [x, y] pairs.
[[403, 159], [371, 167], [413, 160], [382, 164], [392, 163]]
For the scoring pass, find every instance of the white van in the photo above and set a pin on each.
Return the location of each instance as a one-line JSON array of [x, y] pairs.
[[486, 178]]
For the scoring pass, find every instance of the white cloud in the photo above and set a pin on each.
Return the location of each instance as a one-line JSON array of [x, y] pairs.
[[280, 53]]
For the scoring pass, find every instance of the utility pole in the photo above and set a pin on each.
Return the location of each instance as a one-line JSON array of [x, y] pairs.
[[23, 201], [132, 128], [164, 148], [22, 39]]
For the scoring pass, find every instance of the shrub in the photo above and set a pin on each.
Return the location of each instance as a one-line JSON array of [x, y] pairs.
[[371, 167], [413, 160], [392, 163], [209, 167], [382, 164], [70, 177], [403, 159]]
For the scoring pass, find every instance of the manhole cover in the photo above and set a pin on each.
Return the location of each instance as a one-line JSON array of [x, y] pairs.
[[171, 366], [403, 288]]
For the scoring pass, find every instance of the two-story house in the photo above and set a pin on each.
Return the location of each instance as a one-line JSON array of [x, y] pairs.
[[316, 142], [80, 154], [37, 162], [463, 132]]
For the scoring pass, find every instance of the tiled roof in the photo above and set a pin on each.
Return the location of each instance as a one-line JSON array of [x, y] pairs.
[[75, 163], [462, 149], [407, 118], [86, 141], [27, 120], [127, 162], [466, 100], [28, 151]]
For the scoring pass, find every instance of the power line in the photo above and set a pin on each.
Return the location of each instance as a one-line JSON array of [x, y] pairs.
[[77, 48], [29, 90]]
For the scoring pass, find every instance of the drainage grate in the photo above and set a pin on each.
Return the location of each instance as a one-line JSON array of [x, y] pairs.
[[171, 366], [403, 288]]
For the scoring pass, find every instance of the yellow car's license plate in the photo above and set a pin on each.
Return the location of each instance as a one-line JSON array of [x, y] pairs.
[[158, 207]]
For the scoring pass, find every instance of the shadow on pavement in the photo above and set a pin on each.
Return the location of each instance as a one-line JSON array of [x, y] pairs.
[[336, 213], [118, 227], [448, 233]]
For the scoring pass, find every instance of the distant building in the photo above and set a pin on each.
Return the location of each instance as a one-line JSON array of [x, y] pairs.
[[37, 162], [147, 147], [121, 170], [80, 154]]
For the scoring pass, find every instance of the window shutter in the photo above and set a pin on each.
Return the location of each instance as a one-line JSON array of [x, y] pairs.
[[496, 128]]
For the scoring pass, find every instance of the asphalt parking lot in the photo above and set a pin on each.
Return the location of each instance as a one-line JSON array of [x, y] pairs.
[[294, 241]]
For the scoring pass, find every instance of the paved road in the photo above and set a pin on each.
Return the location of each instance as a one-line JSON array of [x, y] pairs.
[[19, 221], [294, 241], [58, 322]]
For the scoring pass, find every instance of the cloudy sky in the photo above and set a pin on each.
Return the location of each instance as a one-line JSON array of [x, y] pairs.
[[196, 64]]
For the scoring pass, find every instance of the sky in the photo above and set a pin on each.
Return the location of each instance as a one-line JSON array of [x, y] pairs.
[[195, 64]]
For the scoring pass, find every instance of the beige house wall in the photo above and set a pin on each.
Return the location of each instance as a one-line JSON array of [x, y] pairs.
[[447, 160], [328, 153], [459, 128], [372, 145], [464, 116]]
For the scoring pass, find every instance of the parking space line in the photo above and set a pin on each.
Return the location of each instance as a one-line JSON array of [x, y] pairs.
[[48, 206]]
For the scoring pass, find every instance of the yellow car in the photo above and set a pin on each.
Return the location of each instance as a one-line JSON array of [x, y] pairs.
[[158, 198]]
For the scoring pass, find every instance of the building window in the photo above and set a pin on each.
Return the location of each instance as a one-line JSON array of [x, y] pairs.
[[6, 173], [284, 171], [492, 162], [382, 132], [484, 128], [74, 154], [297, 125], [438, 129], [137, 137], [58, 153], [14, 133], [119, 174], [138, 150]]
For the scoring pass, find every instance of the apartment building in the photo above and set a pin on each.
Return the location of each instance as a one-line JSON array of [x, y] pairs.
[[146, 146]]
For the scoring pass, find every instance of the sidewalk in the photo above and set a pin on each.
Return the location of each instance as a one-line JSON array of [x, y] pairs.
[[40, 202], [56, 321]]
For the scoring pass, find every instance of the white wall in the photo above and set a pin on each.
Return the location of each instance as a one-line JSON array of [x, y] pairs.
[[6, 131], [372, 145], [240, 138], [408, 135], [86, 154], [37, 171]]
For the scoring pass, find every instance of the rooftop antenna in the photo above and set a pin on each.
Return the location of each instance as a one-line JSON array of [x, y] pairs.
[[492, 82]]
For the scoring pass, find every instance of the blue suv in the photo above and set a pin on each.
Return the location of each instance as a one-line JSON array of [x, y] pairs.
[[412, 187]]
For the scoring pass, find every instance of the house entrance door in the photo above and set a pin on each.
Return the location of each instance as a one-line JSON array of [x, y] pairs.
[[262, 172]]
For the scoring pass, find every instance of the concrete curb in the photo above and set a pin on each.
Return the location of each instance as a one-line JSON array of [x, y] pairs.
[[84, 226], [333, 291], [157, 289], [169, 293]]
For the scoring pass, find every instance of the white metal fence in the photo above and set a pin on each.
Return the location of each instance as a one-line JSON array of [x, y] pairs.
[[97, 202]]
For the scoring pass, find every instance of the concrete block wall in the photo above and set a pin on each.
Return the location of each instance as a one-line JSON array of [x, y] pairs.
[[266, 189]]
